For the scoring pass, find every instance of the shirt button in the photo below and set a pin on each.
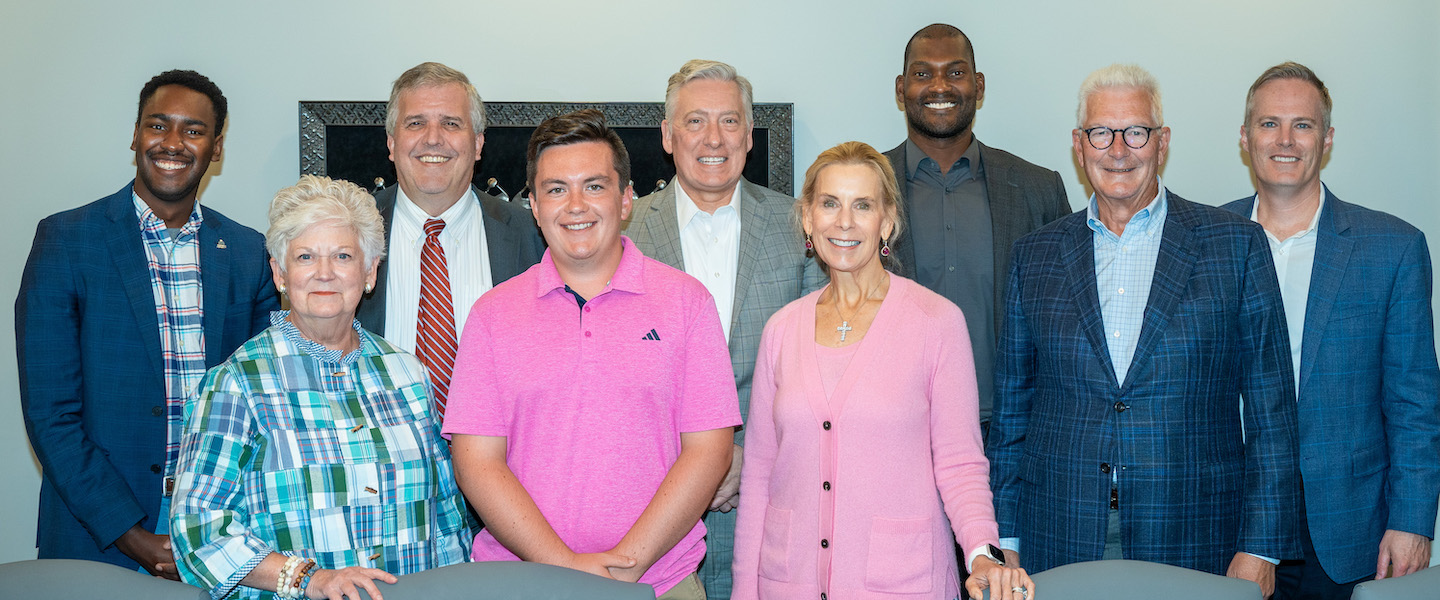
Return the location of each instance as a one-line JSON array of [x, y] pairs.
[[826, 425], [826, 486], [824, 543], [1121, 407], [157, 410], [587, 309], [1121, 291], [952, 267], [1104, 467], [717, 274], [155, 469], [1117, 334], [587, 334]]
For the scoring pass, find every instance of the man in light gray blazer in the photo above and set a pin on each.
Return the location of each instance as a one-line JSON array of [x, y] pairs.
[[736, 237], [965, 203]]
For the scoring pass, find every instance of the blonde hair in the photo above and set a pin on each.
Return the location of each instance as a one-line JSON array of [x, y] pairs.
[[856, 153]]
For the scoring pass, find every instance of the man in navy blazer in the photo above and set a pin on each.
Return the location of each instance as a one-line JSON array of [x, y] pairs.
[[1131, 331], [1356, 284], [435, 128], [104, 369]]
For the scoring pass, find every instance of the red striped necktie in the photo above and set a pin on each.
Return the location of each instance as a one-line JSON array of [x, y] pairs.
[[435, 342]]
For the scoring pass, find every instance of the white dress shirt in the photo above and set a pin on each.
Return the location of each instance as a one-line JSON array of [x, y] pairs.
[[1294, 262], [710, 245], [466, 256]]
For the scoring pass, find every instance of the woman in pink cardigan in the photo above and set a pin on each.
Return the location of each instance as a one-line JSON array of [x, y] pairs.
[[863, 453]]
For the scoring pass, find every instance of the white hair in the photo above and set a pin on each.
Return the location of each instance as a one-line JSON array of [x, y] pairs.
[[1120, 76]]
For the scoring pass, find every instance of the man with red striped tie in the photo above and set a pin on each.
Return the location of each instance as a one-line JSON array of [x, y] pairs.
[[447, 243]]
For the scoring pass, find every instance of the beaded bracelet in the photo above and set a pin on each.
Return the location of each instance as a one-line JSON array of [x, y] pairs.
[[295, 578], [286, 572], [302, 581]]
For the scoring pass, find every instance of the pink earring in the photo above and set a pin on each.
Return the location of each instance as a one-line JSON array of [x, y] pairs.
[[885, 247], [808, 245]]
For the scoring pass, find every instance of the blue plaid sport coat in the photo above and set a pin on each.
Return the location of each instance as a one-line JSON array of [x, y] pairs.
[[1193, 489], [92, 385], [1369, 395]]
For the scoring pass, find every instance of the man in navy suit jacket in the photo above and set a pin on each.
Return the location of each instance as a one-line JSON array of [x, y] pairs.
[[1356, 284], [99, 386], [1131, 331]]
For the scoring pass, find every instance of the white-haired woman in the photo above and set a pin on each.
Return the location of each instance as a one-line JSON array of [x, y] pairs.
[[310, 465]]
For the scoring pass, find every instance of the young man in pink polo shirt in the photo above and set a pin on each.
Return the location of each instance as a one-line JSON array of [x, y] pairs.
[[593, 402]]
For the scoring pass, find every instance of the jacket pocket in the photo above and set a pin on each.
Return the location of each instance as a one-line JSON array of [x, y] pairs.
[[901, 559], [1368, 460], [775, 545]]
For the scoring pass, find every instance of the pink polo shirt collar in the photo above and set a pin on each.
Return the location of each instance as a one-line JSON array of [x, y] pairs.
[[629, 274]]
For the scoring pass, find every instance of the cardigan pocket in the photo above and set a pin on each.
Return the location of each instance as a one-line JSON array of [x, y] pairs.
[[901, 559], [775, 545]]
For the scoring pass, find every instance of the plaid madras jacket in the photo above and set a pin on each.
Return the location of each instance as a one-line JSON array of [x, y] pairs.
[[292, 448]]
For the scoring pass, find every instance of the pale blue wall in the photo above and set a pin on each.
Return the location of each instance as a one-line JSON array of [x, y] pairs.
[[72, 71]]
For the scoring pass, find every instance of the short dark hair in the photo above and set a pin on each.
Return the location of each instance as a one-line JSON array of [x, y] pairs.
[[586, 125], [937, 31], [189, 79]]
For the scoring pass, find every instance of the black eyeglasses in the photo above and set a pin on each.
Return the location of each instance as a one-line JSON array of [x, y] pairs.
[[1136, 136]]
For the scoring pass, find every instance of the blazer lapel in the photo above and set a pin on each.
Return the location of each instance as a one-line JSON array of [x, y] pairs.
[[214, 285], [664, 228], [500, 241], [127, 252], [1332, 256], [1008, 219], [753, 225], [1079, 252], [1172, 275]]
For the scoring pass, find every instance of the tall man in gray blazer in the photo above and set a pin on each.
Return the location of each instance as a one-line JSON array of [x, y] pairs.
[[736, 237], [435, 127], [1356, 285], [965, 202]]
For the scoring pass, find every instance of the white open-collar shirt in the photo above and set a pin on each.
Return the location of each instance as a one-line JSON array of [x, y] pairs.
[[710, 245]]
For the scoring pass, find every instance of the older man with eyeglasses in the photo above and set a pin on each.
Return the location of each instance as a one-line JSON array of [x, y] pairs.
[[1131, 331]]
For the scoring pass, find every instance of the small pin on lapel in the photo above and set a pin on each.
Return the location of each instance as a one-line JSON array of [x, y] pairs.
[[220, 244]]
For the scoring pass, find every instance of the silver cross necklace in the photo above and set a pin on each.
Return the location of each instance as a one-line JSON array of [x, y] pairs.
[[845, 327]]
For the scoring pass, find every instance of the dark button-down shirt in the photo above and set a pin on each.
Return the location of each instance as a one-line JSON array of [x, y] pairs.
[[954, 247]]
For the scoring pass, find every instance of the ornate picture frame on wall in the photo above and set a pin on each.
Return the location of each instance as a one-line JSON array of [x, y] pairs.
[[346, 140]]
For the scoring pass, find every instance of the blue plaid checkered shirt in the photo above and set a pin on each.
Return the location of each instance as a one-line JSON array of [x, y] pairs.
[[294, 448], [1124, 269], [179, 309]]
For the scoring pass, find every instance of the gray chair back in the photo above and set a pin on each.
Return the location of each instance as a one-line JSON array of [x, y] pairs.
[[1138, 580], [1424, 585], [63, 579], [507, 581]]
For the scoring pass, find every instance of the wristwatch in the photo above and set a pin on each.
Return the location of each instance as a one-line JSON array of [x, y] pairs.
[[993, 553]]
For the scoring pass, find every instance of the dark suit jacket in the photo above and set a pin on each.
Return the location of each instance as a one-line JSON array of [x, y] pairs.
[[92, 383], [1192, 491], [511, 237], [773, 270], [1022, 196], [1369, 388]]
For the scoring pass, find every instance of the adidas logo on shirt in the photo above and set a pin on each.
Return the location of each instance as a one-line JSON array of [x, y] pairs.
[[652, 336]]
